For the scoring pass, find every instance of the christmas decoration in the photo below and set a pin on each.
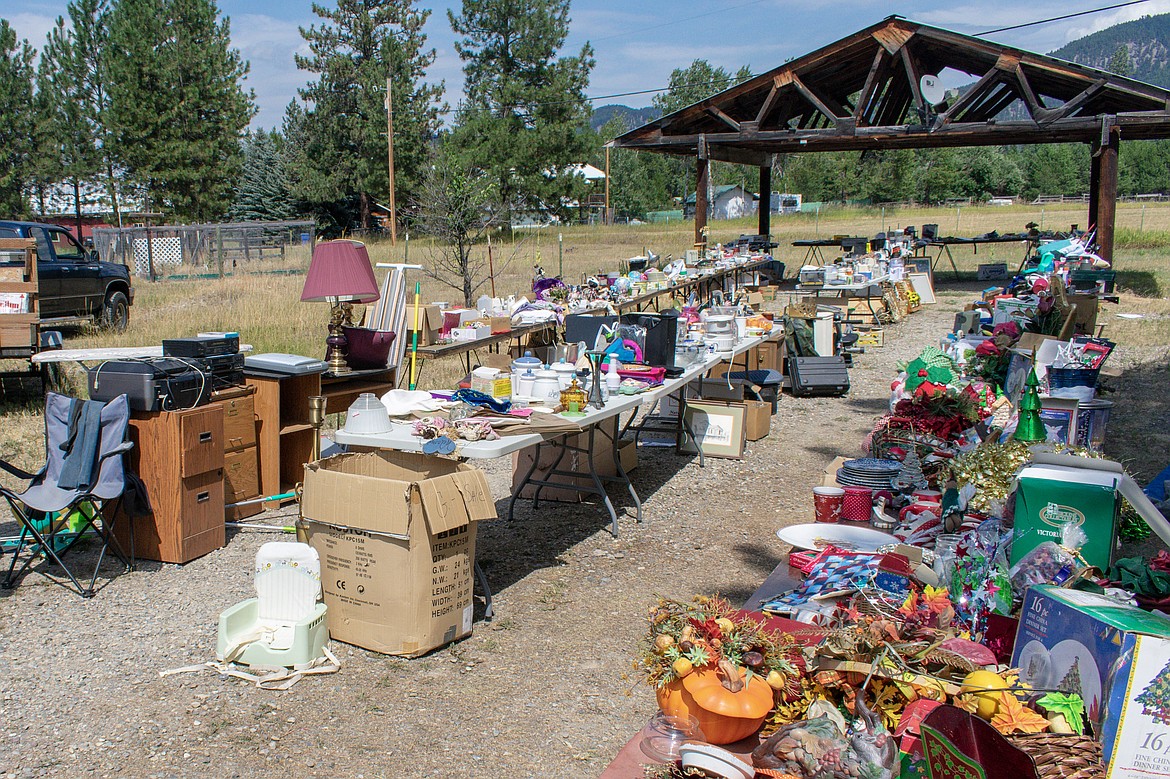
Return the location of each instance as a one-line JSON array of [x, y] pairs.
[[910, 478], [1155, 699], [1029, 427]]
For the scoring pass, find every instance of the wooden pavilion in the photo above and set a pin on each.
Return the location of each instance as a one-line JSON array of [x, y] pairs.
[[866, 92]]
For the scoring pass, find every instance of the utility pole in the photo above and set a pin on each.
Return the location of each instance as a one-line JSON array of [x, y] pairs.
[[390, 162], [608, 219]]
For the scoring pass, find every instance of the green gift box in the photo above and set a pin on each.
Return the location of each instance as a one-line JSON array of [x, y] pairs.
[[1049, 496]]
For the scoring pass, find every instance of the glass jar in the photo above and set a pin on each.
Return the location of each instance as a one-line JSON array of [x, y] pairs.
[[573, 399]]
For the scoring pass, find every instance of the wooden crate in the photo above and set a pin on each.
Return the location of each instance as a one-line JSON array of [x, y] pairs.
[[18, 329]]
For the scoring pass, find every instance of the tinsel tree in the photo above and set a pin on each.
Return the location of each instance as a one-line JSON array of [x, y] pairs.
[[1029, 426]]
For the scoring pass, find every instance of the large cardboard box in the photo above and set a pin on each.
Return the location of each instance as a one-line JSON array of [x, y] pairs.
[[396, 536], [759, 419], [1048, 496], [1082, 642], [572, 461]]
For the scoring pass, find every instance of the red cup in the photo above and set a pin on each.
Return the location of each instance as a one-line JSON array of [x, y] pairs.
[[928, 496], [857, 505], [828, 502]]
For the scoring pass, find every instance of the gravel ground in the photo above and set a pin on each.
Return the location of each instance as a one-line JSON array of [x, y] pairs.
[[544, 690]]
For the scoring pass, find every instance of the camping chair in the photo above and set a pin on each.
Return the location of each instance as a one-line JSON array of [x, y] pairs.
[[68, 496]]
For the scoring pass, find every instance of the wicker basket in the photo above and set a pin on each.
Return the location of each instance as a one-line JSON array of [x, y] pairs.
[[1060, 756]]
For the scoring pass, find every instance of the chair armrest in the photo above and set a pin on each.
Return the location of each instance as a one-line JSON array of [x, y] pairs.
[[17, 472], [120, 449]]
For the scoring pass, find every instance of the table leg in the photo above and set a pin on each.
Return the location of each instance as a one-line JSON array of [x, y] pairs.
[[488, 610], [597, 484], [687, 427], [622, 475], [556, 464]]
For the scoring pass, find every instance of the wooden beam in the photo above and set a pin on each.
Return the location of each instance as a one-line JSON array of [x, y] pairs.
[[1036, 108], [1105, 163], [967, 98], [702, 182], [737, 155], [1072, 105], [912, 76], [871, 82], [769, 102], [816, 101], [715, 112], [765, 208], [893, 38]]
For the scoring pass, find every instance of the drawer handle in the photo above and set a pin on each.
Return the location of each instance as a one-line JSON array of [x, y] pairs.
[[203, 497], [205, 438]]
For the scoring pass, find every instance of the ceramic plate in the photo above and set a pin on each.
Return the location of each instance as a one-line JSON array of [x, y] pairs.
[[872, 465], [817, 535]]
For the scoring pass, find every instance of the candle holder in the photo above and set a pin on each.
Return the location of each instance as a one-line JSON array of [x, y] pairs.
[[316, 421], [595, 361]]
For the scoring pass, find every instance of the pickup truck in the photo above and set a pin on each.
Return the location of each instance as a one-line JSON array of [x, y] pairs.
[[74, 285]]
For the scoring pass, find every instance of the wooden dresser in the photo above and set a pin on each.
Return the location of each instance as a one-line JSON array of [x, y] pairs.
[[180, 457]]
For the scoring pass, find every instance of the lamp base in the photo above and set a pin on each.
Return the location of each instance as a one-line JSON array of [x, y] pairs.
[[337, 342]]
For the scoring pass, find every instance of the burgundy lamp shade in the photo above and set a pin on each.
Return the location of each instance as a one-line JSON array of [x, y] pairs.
[[340, 270]]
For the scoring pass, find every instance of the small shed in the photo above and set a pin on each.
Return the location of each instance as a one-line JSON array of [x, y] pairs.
[[729, 201]]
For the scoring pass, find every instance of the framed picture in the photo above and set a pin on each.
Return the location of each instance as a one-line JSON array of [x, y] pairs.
[[919, 265], [1017, 373], [719, 428], [923, 286], [1059, 416]]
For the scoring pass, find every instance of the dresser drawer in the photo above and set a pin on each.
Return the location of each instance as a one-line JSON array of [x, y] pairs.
[[239, 422], [201, 504], [241, 475], [200, 440]]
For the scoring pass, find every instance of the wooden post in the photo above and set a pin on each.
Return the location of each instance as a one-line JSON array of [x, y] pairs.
[[701, 184], [219, 249], [765, 209], [1094, 183], [1105, 163], [390, 162]]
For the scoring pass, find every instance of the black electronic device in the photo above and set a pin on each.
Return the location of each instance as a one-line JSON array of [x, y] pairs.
[[584, 327], [152, 384], [224, 370], [661, 333], [818, 376], [201, 346]]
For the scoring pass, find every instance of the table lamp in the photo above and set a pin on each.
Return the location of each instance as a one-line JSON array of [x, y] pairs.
[[340, 274]]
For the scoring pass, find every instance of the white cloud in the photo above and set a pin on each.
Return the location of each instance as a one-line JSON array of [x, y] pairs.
[[1101, 21], [32, 27]]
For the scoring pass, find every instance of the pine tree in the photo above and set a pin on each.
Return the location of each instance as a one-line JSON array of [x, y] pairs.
[[1155, 698], [177, 104], [72, 77], [526, 113], [341, 136], [263, 192], [16, 119]]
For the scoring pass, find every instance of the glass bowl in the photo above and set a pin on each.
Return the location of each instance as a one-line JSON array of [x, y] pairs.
[[665, 734]]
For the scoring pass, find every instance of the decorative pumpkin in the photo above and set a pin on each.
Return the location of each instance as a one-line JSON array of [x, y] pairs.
[[724, 715]]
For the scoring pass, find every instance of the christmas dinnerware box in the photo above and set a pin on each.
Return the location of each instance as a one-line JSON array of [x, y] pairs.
[[396, 535], [1071, 641], [1137, 717], [1048, 496]]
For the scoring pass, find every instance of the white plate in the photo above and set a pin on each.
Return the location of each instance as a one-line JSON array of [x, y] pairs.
[[818, 535]]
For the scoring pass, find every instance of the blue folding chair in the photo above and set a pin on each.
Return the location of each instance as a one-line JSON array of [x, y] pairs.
[[71, 495]]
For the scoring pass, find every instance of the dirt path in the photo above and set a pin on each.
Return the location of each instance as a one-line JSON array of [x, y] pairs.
[[545, 690]]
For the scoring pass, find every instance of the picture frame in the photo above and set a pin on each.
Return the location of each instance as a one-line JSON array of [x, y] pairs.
[[1017, 373], [1059, 416], [719, 428], [923, 286]]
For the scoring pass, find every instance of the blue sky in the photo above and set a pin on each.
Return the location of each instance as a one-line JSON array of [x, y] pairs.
[[638, 42]]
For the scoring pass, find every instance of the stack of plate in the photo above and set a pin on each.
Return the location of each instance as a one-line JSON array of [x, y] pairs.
[[868, 472]]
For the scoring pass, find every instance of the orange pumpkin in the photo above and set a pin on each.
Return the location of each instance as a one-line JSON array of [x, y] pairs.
[[723, 715]]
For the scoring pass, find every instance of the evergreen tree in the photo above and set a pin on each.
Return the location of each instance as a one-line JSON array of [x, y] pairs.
[[72, 76], [340, 149], [526, 112], [177, 104], [16, 108], [1120, 62], [263, 192]]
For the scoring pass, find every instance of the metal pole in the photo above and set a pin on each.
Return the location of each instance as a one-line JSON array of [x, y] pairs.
[[561, 244]]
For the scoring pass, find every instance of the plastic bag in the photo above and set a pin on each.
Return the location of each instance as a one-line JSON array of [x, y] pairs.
[[1050, 562]]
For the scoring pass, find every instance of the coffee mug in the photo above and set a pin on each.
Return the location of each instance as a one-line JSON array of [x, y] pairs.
[[928, 496], [828, 502]]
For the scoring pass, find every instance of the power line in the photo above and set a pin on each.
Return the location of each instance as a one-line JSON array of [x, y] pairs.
[[1061, 18]]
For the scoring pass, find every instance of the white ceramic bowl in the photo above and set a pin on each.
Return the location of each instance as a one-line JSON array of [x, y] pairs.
[[715, 760]]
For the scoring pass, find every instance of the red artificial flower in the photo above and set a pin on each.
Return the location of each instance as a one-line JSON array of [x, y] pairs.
[[1010, 329], [988, 349]]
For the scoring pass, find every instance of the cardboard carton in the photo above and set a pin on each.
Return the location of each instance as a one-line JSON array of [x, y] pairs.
[[758, 420], [1048, 496], [574, 461], [1106, 651], [396, 536], [470, 332], [501, 324], [430, 324]]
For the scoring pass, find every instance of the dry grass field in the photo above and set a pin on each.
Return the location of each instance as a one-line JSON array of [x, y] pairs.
[[264, 305]]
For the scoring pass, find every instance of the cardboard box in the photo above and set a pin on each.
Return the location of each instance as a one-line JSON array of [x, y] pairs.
[[572, 461], [470, 332], [628, 453], [499, 387], [1079, 642], [396, 536], [755, 300], [875, 338], [430, 318], [1136, 731], [1048, 496], [501, 324], [758, 421]]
